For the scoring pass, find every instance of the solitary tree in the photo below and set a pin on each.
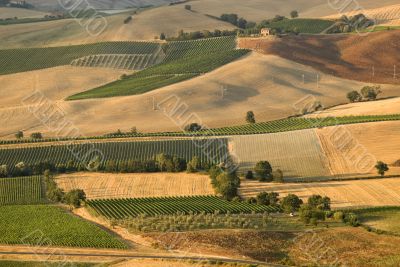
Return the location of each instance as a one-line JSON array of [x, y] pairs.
[[263, 169], [227, 184], [381, 167], [294, 14], [193, 127], [354, 96], [162, 36], [250, 118], [188, 7]]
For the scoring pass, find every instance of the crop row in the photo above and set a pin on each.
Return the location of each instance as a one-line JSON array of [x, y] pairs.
[[208, 150], [21, 190], [43, 225], [26, 59], [125, 208]]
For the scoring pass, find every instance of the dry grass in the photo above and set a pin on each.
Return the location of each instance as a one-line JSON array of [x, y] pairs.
[[102, 185], [10, 12], [387, 15], [268, 85], [144, 26], [353, 150], [343, 194]]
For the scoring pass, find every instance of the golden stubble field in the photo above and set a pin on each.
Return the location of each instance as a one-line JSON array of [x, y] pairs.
[[106, 185], [343, 194]]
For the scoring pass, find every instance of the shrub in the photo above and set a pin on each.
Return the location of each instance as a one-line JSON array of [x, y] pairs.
[[19, 134], [381, 167], [294, 14], [193, 127], [263, 170], [338, 216], [250, 118], [291, 203], [36, 136], [75, 197], [249, 175], [278, 176], [354, 96], [318, 202]]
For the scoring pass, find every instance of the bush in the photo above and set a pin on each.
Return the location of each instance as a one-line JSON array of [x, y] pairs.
[[75, 197], [188, 7], [320, 203], [250, 118], [351, 219], [291, 203], [382, 168], [338, 216], [354, 96], [36, 136], [263, 170], [278, 176], [249, 175], [193, 127], [371, 92], [19, 134]]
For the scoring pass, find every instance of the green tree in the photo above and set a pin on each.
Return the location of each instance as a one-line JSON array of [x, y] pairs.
[[382, 168], [263, 170], [194, 164], [250, 117], [371, 92], [249, 175], [19, 134], [354, 96], [193, 127], [36, 136], [291, 203], [188, 7], [309, 214], [162, 36], [294, 14], [3, 171], [75, 197], [227, 184], [319, 202]]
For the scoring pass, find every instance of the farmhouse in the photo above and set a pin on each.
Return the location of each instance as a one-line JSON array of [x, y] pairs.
[[266, 32]]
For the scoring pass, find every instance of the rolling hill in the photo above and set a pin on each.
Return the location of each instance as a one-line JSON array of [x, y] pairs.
[[368, 58], [269, 85], [10, 12]]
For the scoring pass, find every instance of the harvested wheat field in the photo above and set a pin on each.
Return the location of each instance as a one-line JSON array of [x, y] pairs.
[[379, 107], [11, 12], [297, 154], [55, 83], [145, 25], [353, 150], [105, 185], [343, 194], [369, 58], [269, 85]]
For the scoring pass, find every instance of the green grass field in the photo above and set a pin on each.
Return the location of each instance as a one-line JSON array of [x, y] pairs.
[[184, 60], [51, 226], [22, 190], [27, 59], [313, 26], [125, 208]]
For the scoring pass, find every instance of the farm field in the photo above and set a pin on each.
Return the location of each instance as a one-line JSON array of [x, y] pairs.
[[312, 26], [53, 226], [298, 154], [5, 263], [353, 150], [380, 107], [137, 150], [138, 185], [11, 12], [184, 60], [146, 25], [20, 60], [342, 55], [23, 190], [269, 85], [343, 194], [125, 208], [54, 83], [381, 218]]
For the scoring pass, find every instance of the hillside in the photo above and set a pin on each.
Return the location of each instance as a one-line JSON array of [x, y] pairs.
[[10, 12], [258, 10], [368, 58], [145, 25], [269, 86], [387, 15]]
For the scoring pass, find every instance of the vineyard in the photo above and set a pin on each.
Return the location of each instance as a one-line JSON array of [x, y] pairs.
[[51, 226], [276, 126], [27, 59], [313, 26], [208, 150], [183, 60], [24, 190], [125, 208]]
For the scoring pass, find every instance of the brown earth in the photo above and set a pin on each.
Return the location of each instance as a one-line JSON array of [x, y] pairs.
[[367, 58]]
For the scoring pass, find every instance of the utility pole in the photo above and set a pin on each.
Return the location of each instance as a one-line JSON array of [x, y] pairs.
[[154, 103], [394, 72], [373, 71], [223, 90], [317, 80], [304, 78]]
